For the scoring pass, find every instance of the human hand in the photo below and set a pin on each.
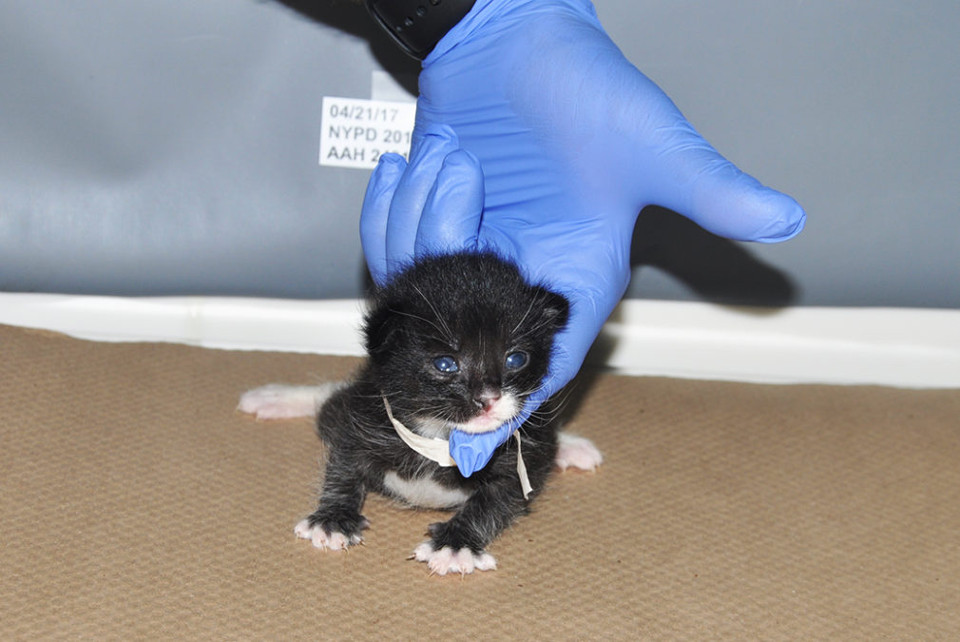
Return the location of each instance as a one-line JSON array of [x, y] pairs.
[[574, 141]]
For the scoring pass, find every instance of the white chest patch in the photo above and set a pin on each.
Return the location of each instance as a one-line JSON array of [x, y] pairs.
[[423, 492]]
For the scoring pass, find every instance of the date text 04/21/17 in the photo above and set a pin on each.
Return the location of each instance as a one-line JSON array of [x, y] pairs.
[[357, 132]]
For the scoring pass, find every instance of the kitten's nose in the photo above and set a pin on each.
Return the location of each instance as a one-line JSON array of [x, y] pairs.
[[486, 398]]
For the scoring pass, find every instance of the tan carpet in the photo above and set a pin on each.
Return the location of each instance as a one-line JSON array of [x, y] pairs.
[[137, 504]]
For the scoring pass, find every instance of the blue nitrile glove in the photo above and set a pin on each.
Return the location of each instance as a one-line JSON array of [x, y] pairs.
[[574, 141]]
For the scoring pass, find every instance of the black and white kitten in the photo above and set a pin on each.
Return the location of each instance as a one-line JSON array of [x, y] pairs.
[[454, 342]]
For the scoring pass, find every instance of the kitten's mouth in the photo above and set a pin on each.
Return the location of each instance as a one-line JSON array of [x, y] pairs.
[[487, 420], [492, 416]]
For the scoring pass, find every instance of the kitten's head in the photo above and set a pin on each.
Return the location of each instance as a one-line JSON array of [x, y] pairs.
[[460, 341]]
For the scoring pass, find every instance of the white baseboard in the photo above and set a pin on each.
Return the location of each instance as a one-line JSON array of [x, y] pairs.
[[882, 346], [915, 348]]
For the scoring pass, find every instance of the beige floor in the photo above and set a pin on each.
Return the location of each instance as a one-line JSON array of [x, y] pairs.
[[137, 504]]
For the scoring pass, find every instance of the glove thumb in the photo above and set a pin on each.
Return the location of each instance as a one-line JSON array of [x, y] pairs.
[[699, 183]]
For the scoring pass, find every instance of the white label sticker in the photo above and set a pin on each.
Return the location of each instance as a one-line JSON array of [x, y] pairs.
[[356, 132]]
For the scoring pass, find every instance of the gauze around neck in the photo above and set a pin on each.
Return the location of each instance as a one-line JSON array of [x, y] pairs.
[[438, 450]]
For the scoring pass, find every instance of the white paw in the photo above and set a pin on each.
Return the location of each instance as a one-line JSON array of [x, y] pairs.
[[448, 560], [577, 452], [278, 401], [332, 542]]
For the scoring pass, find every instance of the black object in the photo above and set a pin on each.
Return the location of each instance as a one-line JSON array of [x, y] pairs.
[[418, 25]]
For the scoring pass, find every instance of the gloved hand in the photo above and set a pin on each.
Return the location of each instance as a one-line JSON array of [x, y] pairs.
[[573, 141]]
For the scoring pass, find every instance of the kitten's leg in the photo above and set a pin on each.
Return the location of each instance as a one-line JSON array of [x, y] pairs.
[[337, 522], [457, 546], [576, 452], [278, 401]]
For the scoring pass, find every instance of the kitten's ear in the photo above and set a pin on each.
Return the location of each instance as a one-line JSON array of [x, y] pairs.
[[554, 308], [379, 329]]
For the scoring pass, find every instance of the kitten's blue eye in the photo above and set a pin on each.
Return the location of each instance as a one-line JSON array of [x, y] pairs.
[[515, 360], [446, 364]]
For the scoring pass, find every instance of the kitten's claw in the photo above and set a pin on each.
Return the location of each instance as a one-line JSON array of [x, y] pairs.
[[577, 452], [318, 537], [448, 560]]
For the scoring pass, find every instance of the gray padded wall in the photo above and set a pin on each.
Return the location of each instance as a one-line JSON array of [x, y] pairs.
[[170, 147]]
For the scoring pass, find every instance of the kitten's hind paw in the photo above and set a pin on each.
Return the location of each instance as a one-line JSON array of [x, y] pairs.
[[577, 452], [449, 560], [278, 401], [335, 541]]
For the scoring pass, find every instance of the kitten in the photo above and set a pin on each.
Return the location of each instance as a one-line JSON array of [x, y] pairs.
[[455, 341]]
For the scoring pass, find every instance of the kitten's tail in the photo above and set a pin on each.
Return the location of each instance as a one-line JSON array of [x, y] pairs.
[[280, 401]]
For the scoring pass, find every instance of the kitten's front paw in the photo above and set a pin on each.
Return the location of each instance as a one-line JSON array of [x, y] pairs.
[[449, 560], [335, 541], [577, 452]]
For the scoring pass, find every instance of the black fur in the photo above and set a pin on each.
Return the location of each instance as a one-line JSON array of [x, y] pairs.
[[477, 309]]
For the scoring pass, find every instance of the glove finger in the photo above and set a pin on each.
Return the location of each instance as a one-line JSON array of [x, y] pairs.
[[570, 349], [712, 192], [415, 186], [728, 202], [669, 163], [375, 213], [451, 216], [473, 451]]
